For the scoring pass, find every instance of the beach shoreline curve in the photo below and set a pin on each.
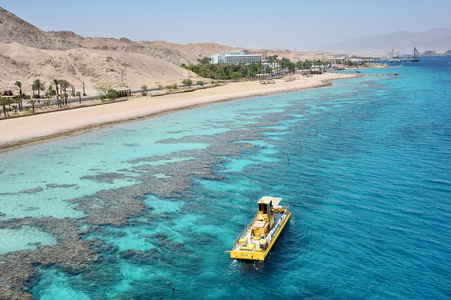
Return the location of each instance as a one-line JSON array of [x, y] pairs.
[[42, 128]]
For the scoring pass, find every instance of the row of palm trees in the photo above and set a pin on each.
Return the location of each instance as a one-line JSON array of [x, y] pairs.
[[61, 86], [60, 93]]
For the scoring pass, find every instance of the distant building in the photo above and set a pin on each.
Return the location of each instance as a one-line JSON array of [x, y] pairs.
[[217, 59], [236, 57], [429, 53], [9, 94]]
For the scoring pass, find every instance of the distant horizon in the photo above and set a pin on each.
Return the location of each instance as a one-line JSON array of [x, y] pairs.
[[295, 26]]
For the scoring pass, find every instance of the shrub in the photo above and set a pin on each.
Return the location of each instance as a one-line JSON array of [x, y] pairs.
[[112, 95], [187, 82]]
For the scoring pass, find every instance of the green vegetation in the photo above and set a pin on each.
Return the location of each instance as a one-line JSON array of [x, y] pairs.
[[37, 85], [19, 85], [3, 103], [65, 96], [56, 82], [144, 88], [32, 102], [226, 71], [112, 95], [272, 66], [187, 82], [107, 93]]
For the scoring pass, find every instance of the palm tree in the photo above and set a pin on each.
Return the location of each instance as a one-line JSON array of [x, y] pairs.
[[33, 102], [64, 85], [19, 85], [39, 86], [3, 102], [56, 82], [65, 96]]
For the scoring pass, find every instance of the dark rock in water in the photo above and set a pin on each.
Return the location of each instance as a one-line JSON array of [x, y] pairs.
[[177, 245], [31, 191], [131, 144], [119, 207], [71, 254], [117, 234], [161, 236], [56, 185], [102, 247], [105, 177], [128, 254], [31, 208]]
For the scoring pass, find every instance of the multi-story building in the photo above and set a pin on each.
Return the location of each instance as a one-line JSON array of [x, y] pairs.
[[236, 57]]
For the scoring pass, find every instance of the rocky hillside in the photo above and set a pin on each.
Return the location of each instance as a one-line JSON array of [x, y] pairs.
[[14, 29], [28, 53]]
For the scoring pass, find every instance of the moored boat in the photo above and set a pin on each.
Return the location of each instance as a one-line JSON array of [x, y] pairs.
[[257, 239]]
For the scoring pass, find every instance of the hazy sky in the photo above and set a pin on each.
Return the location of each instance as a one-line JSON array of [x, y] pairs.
[[285, 24]]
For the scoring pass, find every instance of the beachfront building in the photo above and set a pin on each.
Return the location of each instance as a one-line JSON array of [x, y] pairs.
[[217, 59], [236, 57], [123, 91]]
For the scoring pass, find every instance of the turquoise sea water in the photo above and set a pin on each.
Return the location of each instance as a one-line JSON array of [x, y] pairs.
[[365, 166]]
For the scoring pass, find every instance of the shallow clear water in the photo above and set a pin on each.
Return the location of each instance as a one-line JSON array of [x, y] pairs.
[[24, 238], [364, 166]]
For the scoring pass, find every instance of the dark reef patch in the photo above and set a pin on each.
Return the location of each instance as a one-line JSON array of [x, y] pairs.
[[104, 177], [97, 261]]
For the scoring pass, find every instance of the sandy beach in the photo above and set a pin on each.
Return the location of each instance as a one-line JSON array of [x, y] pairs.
[[39, 128]]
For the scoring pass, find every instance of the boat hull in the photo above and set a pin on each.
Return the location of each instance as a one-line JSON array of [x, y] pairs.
[[260, 254]]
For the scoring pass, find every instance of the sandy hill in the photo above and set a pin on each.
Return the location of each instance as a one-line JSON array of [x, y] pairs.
[[28, 53]]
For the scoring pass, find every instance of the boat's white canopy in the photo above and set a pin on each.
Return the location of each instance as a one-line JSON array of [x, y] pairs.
[[266, 199]]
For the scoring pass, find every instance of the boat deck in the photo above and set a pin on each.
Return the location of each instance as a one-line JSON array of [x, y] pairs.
[[252, 247]]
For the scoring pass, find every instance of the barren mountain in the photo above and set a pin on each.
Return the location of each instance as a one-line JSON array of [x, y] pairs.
[[95, 68], [28, 53], [14, 29]]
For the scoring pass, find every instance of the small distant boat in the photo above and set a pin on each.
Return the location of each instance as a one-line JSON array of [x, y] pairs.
[[262, 232], [415, 55], [395, 73]]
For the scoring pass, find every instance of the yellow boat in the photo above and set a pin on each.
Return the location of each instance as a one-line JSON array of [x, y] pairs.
[[262, 232]]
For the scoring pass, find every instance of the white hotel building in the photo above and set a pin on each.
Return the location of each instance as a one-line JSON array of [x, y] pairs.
[[236, 57]]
